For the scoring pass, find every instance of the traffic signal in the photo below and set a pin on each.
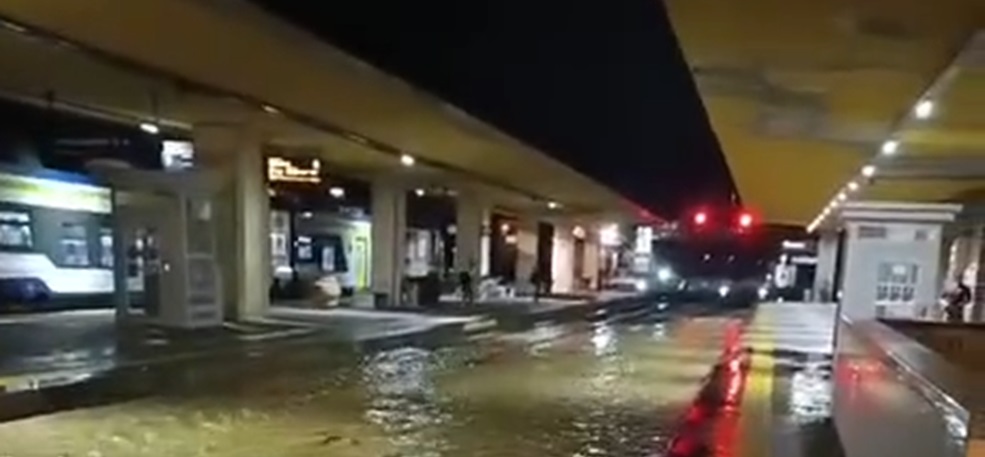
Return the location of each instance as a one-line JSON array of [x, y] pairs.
[[745, 220]]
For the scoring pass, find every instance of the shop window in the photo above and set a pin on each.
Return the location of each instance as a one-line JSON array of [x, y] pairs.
[[74, 245], [328, 259], [278, 245], [15, 230]]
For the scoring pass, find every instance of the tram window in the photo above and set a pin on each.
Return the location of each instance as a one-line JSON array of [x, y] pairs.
[[15, 229], [105, 247], [333, 255], [74, 245], [328, 259]]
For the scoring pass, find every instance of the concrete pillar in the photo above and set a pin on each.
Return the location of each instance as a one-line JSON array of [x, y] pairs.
[[593, 261], [563, 260], [892, 258], [389, 243], [121, 261], [827, 262], [242, 216], [471, 234], [526, 253]]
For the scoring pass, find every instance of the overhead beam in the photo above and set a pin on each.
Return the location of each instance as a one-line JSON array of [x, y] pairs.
[[933, 167]]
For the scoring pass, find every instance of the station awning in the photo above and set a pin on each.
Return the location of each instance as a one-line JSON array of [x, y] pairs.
[[184, 62]]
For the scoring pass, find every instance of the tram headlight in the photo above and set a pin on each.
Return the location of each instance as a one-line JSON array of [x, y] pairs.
[[763, 293]]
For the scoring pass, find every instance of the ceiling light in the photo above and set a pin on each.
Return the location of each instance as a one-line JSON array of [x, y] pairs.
[[419, 192], [553, 205], [924, 109], [852, 186], [842, 196], [270, 109], [336, 192], [150, 128], [890, 147], [407, 160], [869, 171]]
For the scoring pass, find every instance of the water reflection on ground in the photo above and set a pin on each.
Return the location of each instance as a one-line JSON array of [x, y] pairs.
[[598, 391]]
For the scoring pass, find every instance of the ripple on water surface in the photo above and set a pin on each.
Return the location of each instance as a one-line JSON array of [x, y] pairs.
[[607, 391]]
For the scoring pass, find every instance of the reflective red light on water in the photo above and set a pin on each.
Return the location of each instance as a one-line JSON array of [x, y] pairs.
[[685, 446], [695, 414]]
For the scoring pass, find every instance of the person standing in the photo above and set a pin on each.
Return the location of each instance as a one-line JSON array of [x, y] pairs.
[[956, 301], [465, 284]]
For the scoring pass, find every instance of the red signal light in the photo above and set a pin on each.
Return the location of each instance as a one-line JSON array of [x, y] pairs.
[[700, 218], [745, 220]]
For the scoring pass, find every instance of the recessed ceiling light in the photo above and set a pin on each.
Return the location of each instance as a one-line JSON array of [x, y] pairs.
[[924, 109], [890, 147], [869, 171], [270, 109], [553, 205], [419, 192], [842, 196], [407, 160], [336, 192], [150, 128], [852, 186]]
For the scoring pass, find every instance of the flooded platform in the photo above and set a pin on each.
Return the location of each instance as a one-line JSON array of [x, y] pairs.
[[582, 389]]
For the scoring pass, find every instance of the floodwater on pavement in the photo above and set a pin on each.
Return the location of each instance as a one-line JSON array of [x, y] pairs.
[[603, 390]]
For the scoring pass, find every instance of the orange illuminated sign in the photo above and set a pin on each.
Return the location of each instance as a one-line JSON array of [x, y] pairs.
[[280, 169]]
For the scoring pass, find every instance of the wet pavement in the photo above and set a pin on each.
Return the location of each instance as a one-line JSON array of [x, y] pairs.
[[786, 406], [91, 340], [612, 387]]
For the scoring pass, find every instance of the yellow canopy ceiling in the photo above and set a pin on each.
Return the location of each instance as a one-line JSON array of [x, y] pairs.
[[802, 93]]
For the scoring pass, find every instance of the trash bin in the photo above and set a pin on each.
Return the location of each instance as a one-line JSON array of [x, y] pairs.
[[429, 292], [381, 300]]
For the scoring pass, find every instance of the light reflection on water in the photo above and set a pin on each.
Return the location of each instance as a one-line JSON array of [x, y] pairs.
[[607, 391], [811, 394]]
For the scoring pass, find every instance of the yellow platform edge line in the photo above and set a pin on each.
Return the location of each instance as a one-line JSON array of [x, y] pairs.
[[755, 420]]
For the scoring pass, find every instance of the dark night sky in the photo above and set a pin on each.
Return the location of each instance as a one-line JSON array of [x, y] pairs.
[[599, 85]]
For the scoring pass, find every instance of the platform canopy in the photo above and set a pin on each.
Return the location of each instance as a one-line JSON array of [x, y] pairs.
[[802, 94], [179, 63]]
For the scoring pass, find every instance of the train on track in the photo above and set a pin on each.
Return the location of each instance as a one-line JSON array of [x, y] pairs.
[[56, 241]]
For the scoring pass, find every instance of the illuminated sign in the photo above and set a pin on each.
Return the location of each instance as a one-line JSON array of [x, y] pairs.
[[280, 169], [177, 155]]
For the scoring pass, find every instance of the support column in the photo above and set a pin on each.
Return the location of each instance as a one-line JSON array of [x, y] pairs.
[[121, 260], [827, 262], [242, 210], [526, 253], [563, 259], [471, 234], [389, 243], [593, 261]]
